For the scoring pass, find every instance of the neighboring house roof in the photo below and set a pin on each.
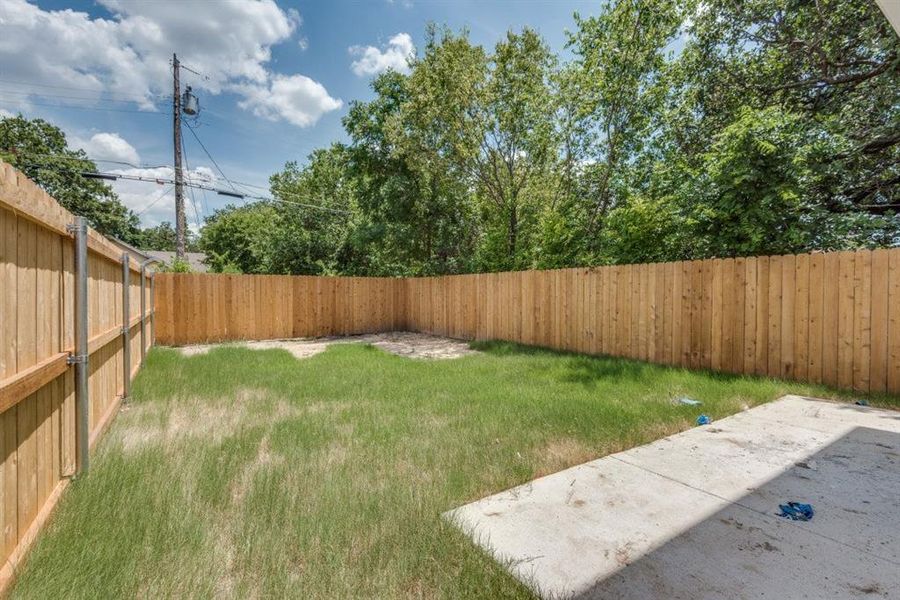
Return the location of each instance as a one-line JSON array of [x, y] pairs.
[[195, 259], [137, 255]]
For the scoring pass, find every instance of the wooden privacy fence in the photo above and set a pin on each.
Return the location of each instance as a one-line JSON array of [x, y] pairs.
[[200, 307], [829, 318], [39, 428]]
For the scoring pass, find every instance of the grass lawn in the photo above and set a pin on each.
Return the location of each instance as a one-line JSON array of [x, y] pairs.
[[242, 473]]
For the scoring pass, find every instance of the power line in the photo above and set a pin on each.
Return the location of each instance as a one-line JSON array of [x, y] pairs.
[[221, 192], [95, 98], [103, 160], [193, 200], [76, 107], [164, 180], [157, 199], [128, 164], [204, 202], [194, 133], [201, 75], [250, 185], [64, 87]]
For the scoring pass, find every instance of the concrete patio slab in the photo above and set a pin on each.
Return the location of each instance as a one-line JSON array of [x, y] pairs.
[[694, 515]]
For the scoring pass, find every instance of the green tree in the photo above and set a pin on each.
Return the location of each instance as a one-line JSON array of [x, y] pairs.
[[614, 85], [313, 217], [406, 221], [517, 143], [482, 126], [433, 134], [176, 266], [833, 64], [646, 230], [160, 237], [237, 238], [679, 129], [415, 213], [40, 150], [750, 188]]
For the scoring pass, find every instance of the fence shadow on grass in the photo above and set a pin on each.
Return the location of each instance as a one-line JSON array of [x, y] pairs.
[[589, 369]]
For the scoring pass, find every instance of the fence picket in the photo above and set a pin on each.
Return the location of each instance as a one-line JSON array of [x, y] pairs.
[[38, 421], [819, 317]]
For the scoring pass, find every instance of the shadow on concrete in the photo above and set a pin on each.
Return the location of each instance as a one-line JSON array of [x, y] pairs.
[[865, 409], [851, 548]]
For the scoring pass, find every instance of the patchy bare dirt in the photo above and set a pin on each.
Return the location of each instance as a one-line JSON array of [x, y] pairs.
[[412, 345], [561, 453], [191, 418], [264, 458]]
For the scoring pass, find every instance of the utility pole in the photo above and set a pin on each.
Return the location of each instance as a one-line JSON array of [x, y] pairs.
[[180, 221]]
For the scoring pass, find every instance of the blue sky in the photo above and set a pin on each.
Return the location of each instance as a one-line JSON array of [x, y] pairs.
[[278, 75]]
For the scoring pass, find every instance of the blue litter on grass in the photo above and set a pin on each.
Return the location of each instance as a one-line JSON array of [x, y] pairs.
[[861, 403], [688, 401], [796, 511], [703, 420]]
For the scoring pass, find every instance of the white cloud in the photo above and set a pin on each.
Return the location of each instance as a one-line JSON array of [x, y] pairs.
[[296, 98], [303, 43], [109, 146], [395, 55], [5, 114], [129, 54]]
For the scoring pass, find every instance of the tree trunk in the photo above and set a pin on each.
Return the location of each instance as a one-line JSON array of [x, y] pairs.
[[513, 230]]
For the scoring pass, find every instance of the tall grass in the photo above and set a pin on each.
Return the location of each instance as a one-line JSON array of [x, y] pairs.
[[246, 474]]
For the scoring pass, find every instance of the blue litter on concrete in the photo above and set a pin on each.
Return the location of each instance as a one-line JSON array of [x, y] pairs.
[[703, 420], [796, 511], [688, 401]]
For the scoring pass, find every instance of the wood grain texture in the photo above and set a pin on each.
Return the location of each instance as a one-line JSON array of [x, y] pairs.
[[831, 318], [37, 408], [893, 344], [812, 317]]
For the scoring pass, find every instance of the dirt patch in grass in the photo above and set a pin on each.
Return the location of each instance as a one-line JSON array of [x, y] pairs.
[[193, 418], [335, 454], [411, 345], [326, 478], [561, 453], [264, 458]]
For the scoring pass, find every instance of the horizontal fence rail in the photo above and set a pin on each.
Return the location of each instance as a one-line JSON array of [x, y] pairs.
[[38, 420], [830, 318]]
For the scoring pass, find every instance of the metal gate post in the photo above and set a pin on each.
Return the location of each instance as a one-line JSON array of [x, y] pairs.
[[152, 309], [80, 357], [126, 324], [143, 310]]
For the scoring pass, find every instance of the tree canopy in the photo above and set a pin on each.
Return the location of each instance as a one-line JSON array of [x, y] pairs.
[[678, 129], [41, 152]]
